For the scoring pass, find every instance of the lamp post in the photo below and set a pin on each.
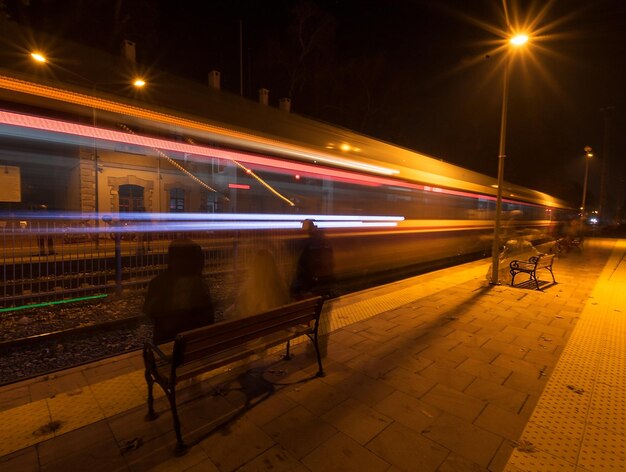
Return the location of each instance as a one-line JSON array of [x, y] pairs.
[[515, 41], [588, 156]]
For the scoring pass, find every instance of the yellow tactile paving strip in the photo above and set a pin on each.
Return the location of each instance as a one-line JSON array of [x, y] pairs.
[[23, 426], [399, 294], [65, 412], [579, 423]]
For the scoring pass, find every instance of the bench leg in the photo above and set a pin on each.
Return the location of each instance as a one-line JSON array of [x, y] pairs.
[[287, 352], [534, 277], [513, 274], [181, 447], [552, 274], [320, 372], [152, 415]]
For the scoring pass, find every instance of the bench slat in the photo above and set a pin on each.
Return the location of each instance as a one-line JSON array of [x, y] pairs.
[[211, 340]]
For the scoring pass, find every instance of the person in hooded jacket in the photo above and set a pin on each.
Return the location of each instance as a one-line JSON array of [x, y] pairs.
[[179, 298]]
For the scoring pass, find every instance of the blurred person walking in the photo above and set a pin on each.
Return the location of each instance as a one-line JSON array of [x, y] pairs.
[[263, 289], [315, 269]]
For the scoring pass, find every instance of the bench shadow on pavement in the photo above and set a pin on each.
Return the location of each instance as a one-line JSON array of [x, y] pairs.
[[242, 392], [530, 285]]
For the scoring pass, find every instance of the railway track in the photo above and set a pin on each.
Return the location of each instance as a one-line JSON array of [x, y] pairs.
[[60, 335], [39, 341]]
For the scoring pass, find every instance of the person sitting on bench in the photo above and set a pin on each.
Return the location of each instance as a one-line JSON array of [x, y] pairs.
[[179, 298]]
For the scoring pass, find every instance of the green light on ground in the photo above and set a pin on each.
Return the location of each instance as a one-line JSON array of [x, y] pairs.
[[39, 305]]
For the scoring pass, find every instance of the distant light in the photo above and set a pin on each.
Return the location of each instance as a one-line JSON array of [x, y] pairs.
[[239, 186], [593, 221], [519, 39], [345, 147], [58, 302], [139, 83], [38, 57], [297, 177]]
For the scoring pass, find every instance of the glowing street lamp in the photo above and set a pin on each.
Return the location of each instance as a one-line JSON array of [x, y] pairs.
[[37, 56], [139, 82], [514, 42], [588, 156]]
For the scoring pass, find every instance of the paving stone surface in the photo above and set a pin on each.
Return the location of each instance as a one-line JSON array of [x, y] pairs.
[[440, 372]]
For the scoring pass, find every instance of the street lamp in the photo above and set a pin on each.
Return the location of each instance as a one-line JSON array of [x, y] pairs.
[[514, 42], [588, 156]]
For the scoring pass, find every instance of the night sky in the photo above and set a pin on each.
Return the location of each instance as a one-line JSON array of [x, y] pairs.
[[425, 75]]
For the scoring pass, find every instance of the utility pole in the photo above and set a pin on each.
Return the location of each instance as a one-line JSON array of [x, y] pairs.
[[607, 112]]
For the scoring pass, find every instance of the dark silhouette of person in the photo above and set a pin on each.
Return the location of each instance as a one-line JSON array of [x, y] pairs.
[[179, 298], [263, 289], [44, 237], [315, 269], [145, 235]]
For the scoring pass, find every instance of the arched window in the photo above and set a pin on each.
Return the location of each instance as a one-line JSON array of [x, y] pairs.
[[131, 198], [177, 200]]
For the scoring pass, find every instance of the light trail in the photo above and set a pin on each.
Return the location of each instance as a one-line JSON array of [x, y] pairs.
[[67, 96]]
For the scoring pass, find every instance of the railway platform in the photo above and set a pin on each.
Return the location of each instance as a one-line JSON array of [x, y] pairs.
[[440, 372]]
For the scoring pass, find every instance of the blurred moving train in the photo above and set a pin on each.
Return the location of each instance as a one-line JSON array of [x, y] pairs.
[[179, 157]]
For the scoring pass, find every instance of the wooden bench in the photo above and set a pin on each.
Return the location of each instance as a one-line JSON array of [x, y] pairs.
[[203, 349], [566, 244], [531, 266]]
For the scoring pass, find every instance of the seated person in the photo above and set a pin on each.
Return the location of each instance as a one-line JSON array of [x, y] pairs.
[[179, 298]]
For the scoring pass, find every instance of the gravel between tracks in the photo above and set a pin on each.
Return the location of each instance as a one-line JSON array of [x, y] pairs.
[[38, 358], [45, 356], [20, 362]]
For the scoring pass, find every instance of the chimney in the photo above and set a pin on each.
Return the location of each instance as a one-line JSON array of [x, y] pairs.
[[128, 51], [214, 79], [284, 104], [264, 95]]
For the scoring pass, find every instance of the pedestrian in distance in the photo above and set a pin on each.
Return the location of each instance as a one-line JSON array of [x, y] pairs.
[[145, 235], [44, 230]]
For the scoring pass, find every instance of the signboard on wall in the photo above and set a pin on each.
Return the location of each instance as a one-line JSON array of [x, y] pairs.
[[10, 184]]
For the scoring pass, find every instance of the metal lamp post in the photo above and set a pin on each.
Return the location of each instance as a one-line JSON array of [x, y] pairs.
[[588, 156], [515, 41]]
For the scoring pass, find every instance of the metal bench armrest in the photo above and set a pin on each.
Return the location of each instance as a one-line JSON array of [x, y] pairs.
[[154, 348]]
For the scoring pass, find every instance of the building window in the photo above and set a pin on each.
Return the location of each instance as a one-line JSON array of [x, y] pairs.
[[177, 200], [131, 198]]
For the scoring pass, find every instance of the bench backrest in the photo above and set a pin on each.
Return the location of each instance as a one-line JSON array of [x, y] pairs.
[[221, 337], [543, 260]]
